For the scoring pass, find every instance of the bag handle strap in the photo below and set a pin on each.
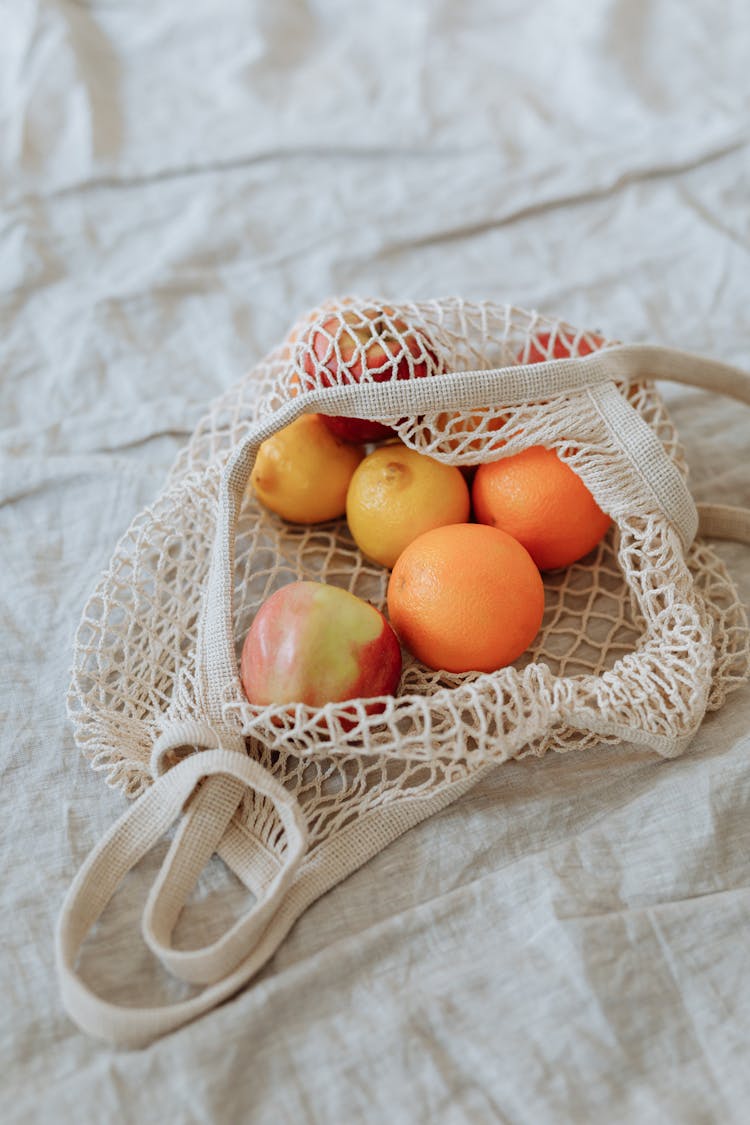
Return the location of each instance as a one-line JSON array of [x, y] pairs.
[[129, 839], [520, 383], [197, 838], [715, 521], [653, 468], [723, 521], [676, 366]]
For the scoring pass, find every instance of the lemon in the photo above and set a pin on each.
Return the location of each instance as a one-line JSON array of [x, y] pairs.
[[396, 494], [303, 472]]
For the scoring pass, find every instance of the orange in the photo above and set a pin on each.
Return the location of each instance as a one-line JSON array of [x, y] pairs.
[[396, 494], [542, 503], [302, 473], [466, 598]]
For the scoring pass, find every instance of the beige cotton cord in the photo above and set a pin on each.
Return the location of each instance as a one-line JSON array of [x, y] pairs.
[[636, 644]]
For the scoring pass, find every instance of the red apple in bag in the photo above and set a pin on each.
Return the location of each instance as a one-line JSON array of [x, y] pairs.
[[313, 643], [564, 346], [372, 342]]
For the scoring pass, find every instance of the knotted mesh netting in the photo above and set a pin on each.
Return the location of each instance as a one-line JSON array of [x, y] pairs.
[[638, 639]]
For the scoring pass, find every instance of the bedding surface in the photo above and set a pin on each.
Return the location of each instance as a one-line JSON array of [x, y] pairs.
[[567, 942]]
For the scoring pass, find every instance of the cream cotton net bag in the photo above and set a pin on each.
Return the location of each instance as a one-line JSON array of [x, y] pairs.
[[638, 640]]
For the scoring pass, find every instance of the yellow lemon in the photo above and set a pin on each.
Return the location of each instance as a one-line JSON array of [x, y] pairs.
[[396, 494], [302, 473]]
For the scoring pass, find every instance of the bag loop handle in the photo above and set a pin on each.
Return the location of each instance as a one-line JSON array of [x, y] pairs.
[[195, 841], [129, 839], [724, 521]]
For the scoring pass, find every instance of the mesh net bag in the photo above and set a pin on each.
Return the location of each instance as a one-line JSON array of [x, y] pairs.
[[638, 640]]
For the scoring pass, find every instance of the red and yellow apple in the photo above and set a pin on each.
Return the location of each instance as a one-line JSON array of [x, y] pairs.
[[352, 342], [313, 643], [563, 347]]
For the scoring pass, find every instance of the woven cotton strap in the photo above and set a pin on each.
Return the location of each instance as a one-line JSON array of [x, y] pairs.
[[129, 839], [197, 838], [722, 521]]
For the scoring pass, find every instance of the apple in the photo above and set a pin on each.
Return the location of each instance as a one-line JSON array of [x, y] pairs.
[[564, 346], [353, 342], [313, 643], [356, 431]]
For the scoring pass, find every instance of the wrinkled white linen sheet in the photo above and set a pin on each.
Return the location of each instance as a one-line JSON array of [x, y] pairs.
[[569, 941]]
